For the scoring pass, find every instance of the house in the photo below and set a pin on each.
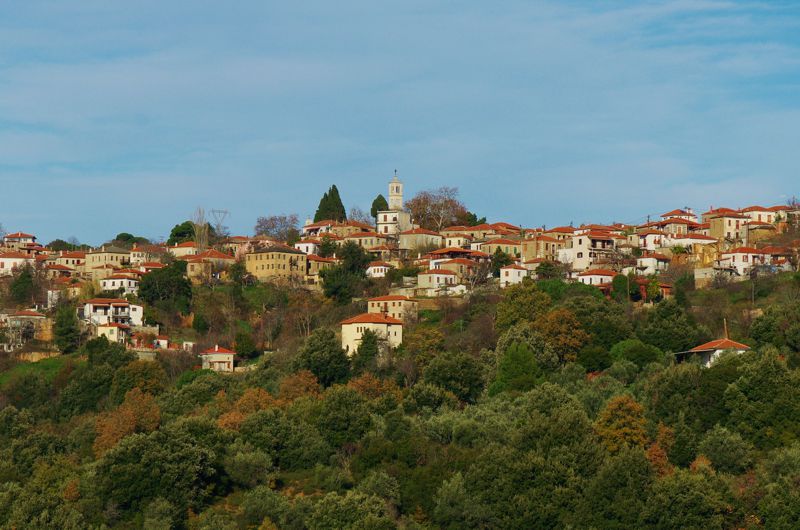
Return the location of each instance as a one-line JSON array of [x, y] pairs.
[[218, 359], [378, 269], [396, 306], [542, 246], [308, 245], [181, 250], [463, 267], [588, 248], [730, 226], [387, 329], [681, 213], [743, 259], [108, 255], [99, 311], [757, 231], [75, 260], [705, 217], [651, 263], [650, 239], [125, 283], [709, 352], [597, 276], [146, 254], [12, 261], [317, 264], [18, 240], [366, 240], [457, 240], [759, 214], [395, 220], [434, 279], [114, 332], [208, 264], [510, 247], [277, 262], [512, 275], [419, 238]]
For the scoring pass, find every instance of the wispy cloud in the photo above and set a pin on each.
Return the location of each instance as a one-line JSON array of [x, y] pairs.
[[540, 112]]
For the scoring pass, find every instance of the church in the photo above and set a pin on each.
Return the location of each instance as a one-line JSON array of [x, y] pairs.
[[395, 220]]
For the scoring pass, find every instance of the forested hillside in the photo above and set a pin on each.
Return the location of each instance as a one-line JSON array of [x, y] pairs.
[[545, 405]]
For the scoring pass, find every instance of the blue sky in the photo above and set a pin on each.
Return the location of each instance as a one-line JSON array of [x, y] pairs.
[[126, 116]]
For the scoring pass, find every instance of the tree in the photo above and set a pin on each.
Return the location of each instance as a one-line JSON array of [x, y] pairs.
[[615, 497], [550, 270], [637, 352], [346, 280], [327, 247], [621, 424], [360, 216], [181, 233], [137, 413], [522, 302], [351, 510], [167, 285], [472, 219], [727, 450], [669, 328], [517, 370], [245, 346], [66, 333], [499, 260], [283, 227], [148, 376], [378, 205], [23, 286], [562, 331], [344, 416], [324, 357], [458, 373], [330, 207], [436, 209], [366, 355], [684, 500]]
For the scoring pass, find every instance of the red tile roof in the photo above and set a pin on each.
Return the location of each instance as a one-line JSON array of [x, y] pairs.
[[28, 313], [18, 235], [372, 318], [598, 272], [379, 264], [676, 212], [437, 271], [14, 255], [391, 298], [217, 349], [721, 344]]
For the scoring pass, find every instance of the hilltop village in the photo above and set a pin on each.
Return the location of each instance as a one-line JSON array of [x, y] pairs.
[[415, 366], [411, 248]]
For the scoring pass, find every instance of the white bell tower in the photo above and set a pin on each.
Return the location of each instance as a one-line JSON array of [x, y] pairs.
[[395, 193]]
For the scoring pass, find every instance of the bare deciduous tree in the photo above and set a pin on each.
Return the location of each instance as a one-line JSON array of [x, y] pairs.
[[281, 227], [436, 209]]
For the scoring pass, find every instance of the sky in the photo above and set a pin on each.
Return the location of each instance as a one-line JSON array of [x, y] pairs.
[[128, 116]]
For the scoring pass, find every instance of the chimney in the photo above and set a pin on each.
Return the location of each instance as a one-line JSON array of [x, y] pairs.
[[725, 325], [216, 347]]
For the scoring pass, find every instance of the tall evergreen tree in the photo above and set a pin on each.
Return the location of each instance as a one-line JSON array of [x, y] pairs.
[[66, 331], [378, 205], [330, 206]]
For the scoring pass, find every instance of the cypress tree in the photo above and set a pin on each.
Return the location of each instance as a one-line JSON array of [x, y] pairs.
[[338, 212], [378, 205], [322, 209]]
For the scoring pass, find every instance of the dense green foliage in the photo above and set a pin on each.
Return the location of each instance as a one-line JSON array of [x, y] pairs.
[[541, 406], [330, 206]]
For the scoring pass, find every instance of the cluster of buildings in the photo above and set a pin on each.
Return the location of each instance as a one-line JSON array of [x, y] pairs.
[[720, 242]]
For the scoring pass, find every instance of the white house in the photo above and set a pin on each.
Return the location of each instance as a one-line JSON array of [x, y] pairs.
[[18, 240], [743, 259], [596, 276], [99, 311], [680, 213], [128, 283], [652, 263], [187, 248], [387, 329], [759, 214], [218, 359], [512, 274], [308, 246], [709, 352], [651, 239], [11, 261], [378, 269]]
